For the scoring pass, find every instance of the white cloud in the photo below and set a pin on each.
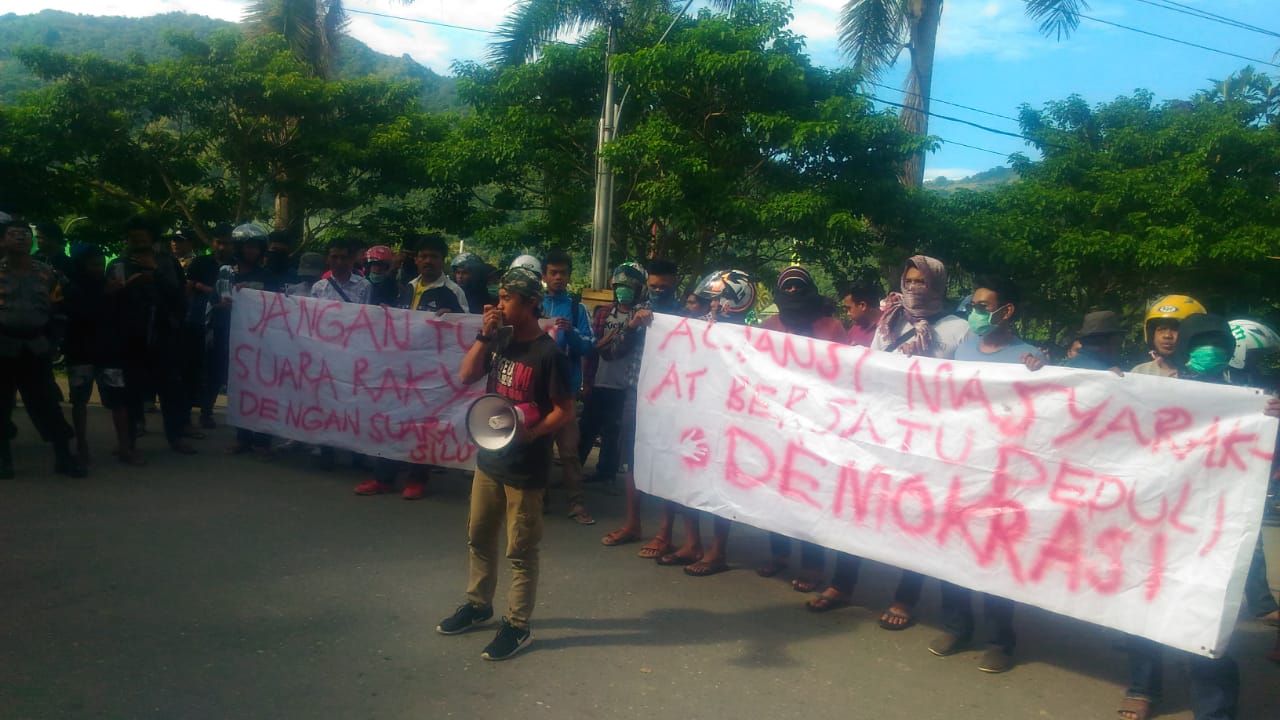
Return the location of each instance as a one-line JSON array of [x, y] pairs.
[[421, 42], [815, 26], [997, 28]]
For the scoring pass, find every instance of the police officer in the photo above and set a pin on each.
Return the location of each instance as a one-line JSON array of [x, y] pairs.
[[29, 291]]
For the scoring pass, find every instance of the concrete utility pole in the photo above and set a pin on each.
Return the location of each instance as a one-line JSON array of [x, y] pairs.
[[602, 221]]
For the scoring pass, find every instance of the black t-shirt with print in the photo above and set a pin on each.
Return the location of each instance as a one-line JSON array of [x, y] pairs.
[[533, 372]]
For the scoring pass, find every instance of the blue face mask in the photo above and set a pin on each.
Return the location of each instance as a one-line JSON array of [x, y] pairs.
[[376, 277], [1208, 360], [624, 295]]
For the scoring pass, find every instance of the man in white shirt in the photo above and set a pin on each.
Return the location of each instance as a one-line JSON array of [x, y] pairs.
[[342, 284]]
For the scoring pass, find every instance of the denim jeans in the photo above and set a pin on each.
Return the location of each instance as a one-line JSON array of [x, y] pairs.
[[1257, 591], [845, 577], [957, 615], [811, 555], [602, 418], [1214, 682]]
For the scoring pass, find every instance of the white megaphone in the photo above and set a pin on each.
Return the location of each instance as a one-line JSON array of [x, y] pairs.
[[493, 422]]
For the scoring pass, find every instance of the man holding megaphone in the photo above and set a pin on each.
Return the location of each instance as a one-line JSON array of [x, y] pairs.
[[524, 367]]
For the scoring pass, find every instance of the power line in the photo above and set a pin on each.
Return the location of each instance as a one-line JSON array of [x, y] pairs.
[[974, 147], [419, 20], [942, 102], [1176, 40], [970, 123], [1206, 15]]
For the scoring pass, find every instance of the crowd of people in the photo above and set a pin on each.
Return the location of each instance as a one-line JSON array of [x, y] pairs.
[[154, 324]]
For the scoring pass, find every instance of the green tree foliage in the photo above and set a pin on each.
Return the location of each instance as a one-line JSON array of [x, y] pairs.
[[521, 163], [733, 148], [1132, 200], [743, 151], [213, 134]]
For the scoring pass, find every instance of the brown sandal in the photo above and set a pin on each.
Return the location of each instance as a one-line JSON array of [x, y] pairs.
[[654, 549], [578, 513], [824, 602], [619, 537]]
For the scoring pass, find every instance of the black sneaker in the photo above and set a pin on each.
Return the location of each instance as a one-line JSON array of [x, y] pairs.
[[466, 617], [509, 641]]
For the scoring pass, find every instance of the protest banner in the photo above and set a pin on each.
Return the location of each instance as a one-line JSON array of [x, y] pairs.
[[1132, 502], [370, 379]]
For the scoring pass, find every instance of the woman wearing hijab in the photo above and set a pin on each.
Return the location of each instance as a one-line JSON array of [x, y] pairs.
[[801, 311], [915, 322]]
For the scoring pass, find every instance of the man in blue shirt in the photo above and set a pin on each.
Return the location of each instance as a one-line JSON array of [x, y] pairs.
[[991, 338], [574, 338]]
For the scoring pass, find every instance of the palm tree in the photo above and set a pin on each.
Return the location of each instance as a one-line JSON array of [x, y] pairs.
[[874, 32], [534, 23], [1256, 90], [313, 28]]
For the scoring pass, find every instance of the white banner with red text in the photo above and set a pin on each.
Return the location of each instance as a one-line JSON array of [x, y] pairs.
[[1131, 502], [370, 379]]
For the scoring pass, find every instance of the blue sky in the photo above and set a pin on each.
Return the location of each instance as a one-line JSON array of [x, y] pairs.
[[990, 56]]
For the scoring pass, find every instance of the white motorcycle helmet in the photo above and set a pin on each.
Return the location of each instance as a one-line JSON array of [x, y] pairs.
[[528, 262], [1252, 336]]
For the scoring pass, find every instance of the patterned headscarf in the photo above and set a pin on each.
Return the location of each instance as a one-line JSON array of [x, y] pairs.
[[916, 306]]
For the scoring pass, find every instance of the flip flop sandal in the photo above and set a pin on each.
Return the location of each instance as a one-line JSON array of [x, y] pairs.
[[826, 603], [805, 585], [701, 569], [891, 614], [619, 537], [672, 559], [1134, 708], [654, 549]]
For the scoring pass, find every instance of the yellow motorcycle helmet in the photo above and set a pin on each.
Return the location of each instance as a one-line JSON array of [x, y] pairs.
[[1171, 307]]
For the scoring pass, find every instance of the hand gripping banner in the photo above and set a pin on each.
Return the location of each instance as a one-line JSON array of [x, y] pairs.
[[1131, 502]]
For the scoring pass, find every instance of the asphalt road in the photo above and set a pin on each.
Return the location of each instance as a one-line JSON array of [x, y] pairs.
[[232, 587]]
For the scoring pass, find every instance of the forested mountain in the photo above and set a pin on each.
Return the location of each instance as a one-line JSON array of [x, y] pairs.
[[119, 38], [985, 180]]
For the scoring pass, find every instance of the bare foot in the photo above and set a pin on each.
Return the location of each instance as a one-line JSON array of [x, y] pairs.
[[897, 617]]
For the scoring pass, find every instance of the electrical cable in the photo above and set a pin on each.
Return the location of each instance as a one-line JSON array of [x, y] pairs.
[[1206, 15], [419, 20], [1176, 40]]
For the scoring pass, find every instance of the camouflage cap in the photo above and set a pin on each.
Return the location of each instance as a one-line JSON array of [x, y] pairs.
[[522, 281]]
